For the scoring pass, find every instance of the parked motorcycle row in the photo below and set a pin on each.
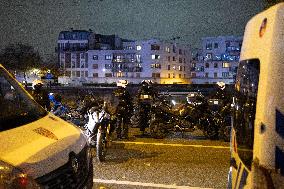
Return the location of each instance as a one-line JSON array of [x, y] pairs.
[[151, 113]]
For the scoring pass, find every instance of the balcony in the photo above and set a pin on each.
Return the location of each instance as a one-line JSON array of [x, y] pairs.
[[69, 49], [131, 69]]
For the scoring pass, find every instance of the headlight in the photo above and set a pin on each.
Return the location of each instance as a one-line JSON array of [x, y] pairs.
[[11, 177]]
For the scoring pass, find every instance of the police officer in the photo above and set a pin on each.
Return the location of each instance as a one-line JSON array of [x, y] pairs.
[[40, 95]]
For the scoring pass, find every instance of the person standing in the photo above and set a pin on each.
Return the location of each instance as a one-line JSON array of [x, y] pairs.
[[40, 95]]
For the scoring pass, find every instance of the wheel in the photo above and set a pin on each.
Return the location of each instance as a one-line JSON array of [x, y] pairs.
[[211, 134], [157, 131], [101, 145]]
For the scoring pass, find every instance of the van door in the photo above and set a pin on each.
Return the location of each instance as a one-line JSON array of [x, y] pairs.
[[243, 121]]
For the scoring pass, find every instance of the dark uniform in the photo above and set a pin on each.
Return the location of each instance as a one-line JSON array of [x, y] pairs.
[[41, 96]]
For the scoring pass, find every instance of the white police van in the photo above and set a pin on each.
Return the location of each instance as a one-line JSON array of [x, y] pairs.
[[38, 149], [257, 143]]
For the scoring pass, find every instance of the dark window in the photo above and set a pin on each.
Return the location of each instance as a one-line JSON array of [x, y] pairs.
[[95, 57], [155, 75], [95, 66], [155, 47], [95, 75], [169, 67], [207, 65], [206, 74], [77, 73], [108, 74], [216, 45], [67, 60], [245, 107]]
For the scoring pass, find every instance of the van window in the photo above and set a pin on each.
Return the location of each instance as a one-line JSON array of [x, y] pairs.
[[245, 108], [17, 108]]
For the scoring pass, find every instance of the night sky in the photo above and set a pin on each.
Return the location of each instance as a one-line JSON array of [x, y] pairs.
[[38, 22]]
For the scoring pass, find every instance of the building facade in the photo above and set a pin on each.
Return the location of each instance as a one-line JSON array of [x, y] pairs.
[[217, 60], [86, 57]]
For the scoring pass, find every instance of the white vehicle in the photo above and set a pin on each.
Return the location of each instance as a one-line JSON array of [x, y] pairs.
[[257, 143], [38, 149]]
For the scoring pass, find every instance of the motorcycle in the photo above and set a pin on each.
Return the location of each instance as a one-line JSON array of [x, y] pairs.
[[97, 130], [164, 120]]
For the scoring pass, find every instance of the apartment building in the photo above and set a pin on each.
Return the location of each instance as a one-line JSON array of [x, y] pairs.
[[96, 58], [217, 60]]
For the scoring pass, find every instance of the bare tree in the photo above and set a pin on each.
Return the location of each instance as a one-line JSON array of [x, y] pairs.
[[20, 57]]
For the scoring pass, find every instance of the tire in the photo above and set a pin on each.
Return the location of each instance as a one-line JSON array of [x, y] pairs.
[[101, 145], [156, 131]]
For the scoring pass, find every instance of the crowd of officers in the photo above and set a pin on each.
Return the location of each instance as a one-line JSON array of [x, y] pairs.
[[120, 115]]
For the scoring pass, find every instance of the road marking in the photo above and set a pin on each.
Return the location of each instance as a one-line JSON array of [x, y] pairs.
[[168, 144], [144, 184]]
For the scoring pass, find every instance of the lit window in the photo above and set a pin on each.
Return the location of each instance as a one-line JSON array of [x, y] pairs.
[[208, 56], [138, 47], [155, 56], [226, 65], [138, 58], [167, 49], [108, 57], [180, 68], [155, 65]]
